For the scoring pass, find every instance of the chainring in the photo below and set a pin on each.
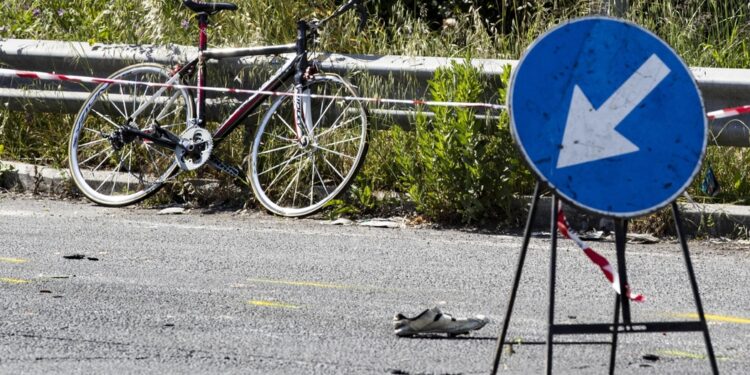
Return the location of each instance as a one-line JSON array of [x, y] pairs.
[[195, 148]]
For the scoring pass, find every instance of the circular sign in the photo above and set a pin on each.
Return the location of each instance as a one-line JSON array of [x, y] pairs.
[[608, 116]]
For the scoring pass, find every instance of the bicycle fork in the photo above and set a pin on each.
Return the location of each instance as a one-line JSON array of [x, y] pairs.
[[303, 125]]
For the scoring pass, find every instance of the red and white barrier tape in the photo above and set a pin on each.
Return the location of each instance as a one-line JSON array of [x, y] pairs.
[[596, 258], [728, 112], [12, 73], [713, 115]]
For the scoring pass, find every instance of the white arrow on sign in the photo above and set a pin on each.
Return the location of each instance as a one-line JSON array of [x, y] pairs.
[[590, 133]]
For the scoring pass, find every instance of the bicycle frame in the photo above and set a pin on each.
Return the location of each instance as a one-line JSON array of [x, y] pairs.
[[297, 67]]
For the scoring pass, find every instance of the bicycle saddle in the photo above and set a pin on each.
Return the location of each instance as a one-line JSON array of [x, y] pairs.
[[210, 8]]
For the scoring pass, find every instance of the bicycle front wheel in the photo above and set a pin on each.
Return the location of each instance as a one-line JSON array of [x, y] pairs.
[[116, 168], [296, 176]]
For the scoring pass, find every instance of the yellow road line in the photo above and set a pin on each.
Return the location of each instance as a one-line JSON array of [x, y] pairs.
[[315, 284], [11, 280], [683, 354], [272, 304], [13, 260], [302, 283], [716, 318]]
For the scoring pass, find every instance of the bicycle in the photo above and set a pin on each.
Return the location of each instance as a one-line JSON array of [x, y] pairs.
[[128, 140]]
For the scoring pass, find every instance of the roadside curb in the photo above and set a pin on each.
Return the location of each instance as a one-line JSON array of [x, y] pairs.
[[34, 178], [714, 220]]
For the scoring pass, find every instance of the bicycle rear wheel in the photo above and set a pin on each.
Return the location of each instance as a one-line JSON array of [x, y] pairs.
[[113, 168], [295, 178]]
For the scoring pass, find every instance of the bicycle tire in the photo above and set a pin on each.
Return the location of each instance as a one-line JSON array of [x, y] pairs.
[[136, 168], [325, 167]]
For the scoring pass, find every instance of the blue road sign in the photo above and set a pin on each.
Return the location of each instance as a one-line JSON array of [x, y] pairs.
[[608, 116]]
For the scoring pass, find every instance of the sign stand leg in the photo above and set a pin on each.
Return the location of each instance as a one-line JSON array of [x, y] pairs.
[[552, 277], [694, 286], [621, 230], [516, 278], [621, 300], [613, 353]]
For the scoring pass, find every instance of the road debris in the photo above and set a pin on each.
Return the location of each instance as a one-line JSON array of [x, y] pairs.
[[172, 211]]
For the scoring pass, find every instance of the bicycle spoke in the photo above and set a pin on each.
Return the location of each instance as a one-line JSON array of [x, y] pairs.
[[338, 126], [143, 102], [286, 123], [280, 172], [322, 111], [135, 96], [333, 168], [139, 177], [129, 157], [170, 126], [312, 179], [296, 187], [87, 144], [114, 105], [104, 182], [109, 155], [151, 157], [124, 106], [105, 118], [277, 149], [295, 157], [296, 178], [138, 102], [169, 103], [344, 141], [98, 132], [283, 138], [157, 150], [97, 154], [322, 182], [112, 175], [165, 157], [335, 152]]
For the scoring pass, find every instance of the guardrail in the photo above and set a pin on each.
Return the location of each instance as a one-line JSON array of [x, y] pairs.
[[720, 88]]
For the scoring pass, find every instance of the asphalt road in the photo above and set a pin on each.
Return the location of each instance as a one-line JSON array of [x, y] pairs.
[[249, 293]]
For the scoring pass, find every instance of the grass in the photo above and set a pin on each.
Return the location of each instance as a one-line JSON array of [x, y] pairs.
[[704, 32]]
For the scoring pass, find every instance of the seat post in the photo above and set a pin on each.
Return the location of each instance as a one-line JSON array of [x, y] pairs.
[[202, 45]]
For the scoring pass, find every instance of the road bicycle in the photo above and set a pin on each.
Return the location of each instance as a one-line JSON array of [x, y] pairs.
[[128, 139]]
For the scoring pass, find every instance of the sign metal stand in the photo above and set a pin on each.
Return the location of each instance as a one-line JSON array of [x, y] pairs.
[[603, 110], [622, 303]]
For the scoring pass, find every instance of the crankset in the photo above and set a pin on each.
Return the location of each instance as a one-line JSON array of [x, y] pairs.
[[194, 148]]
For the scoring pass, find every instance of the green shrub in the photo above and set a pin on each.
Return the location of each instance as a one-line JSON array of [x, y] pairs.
[[457, 167]]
